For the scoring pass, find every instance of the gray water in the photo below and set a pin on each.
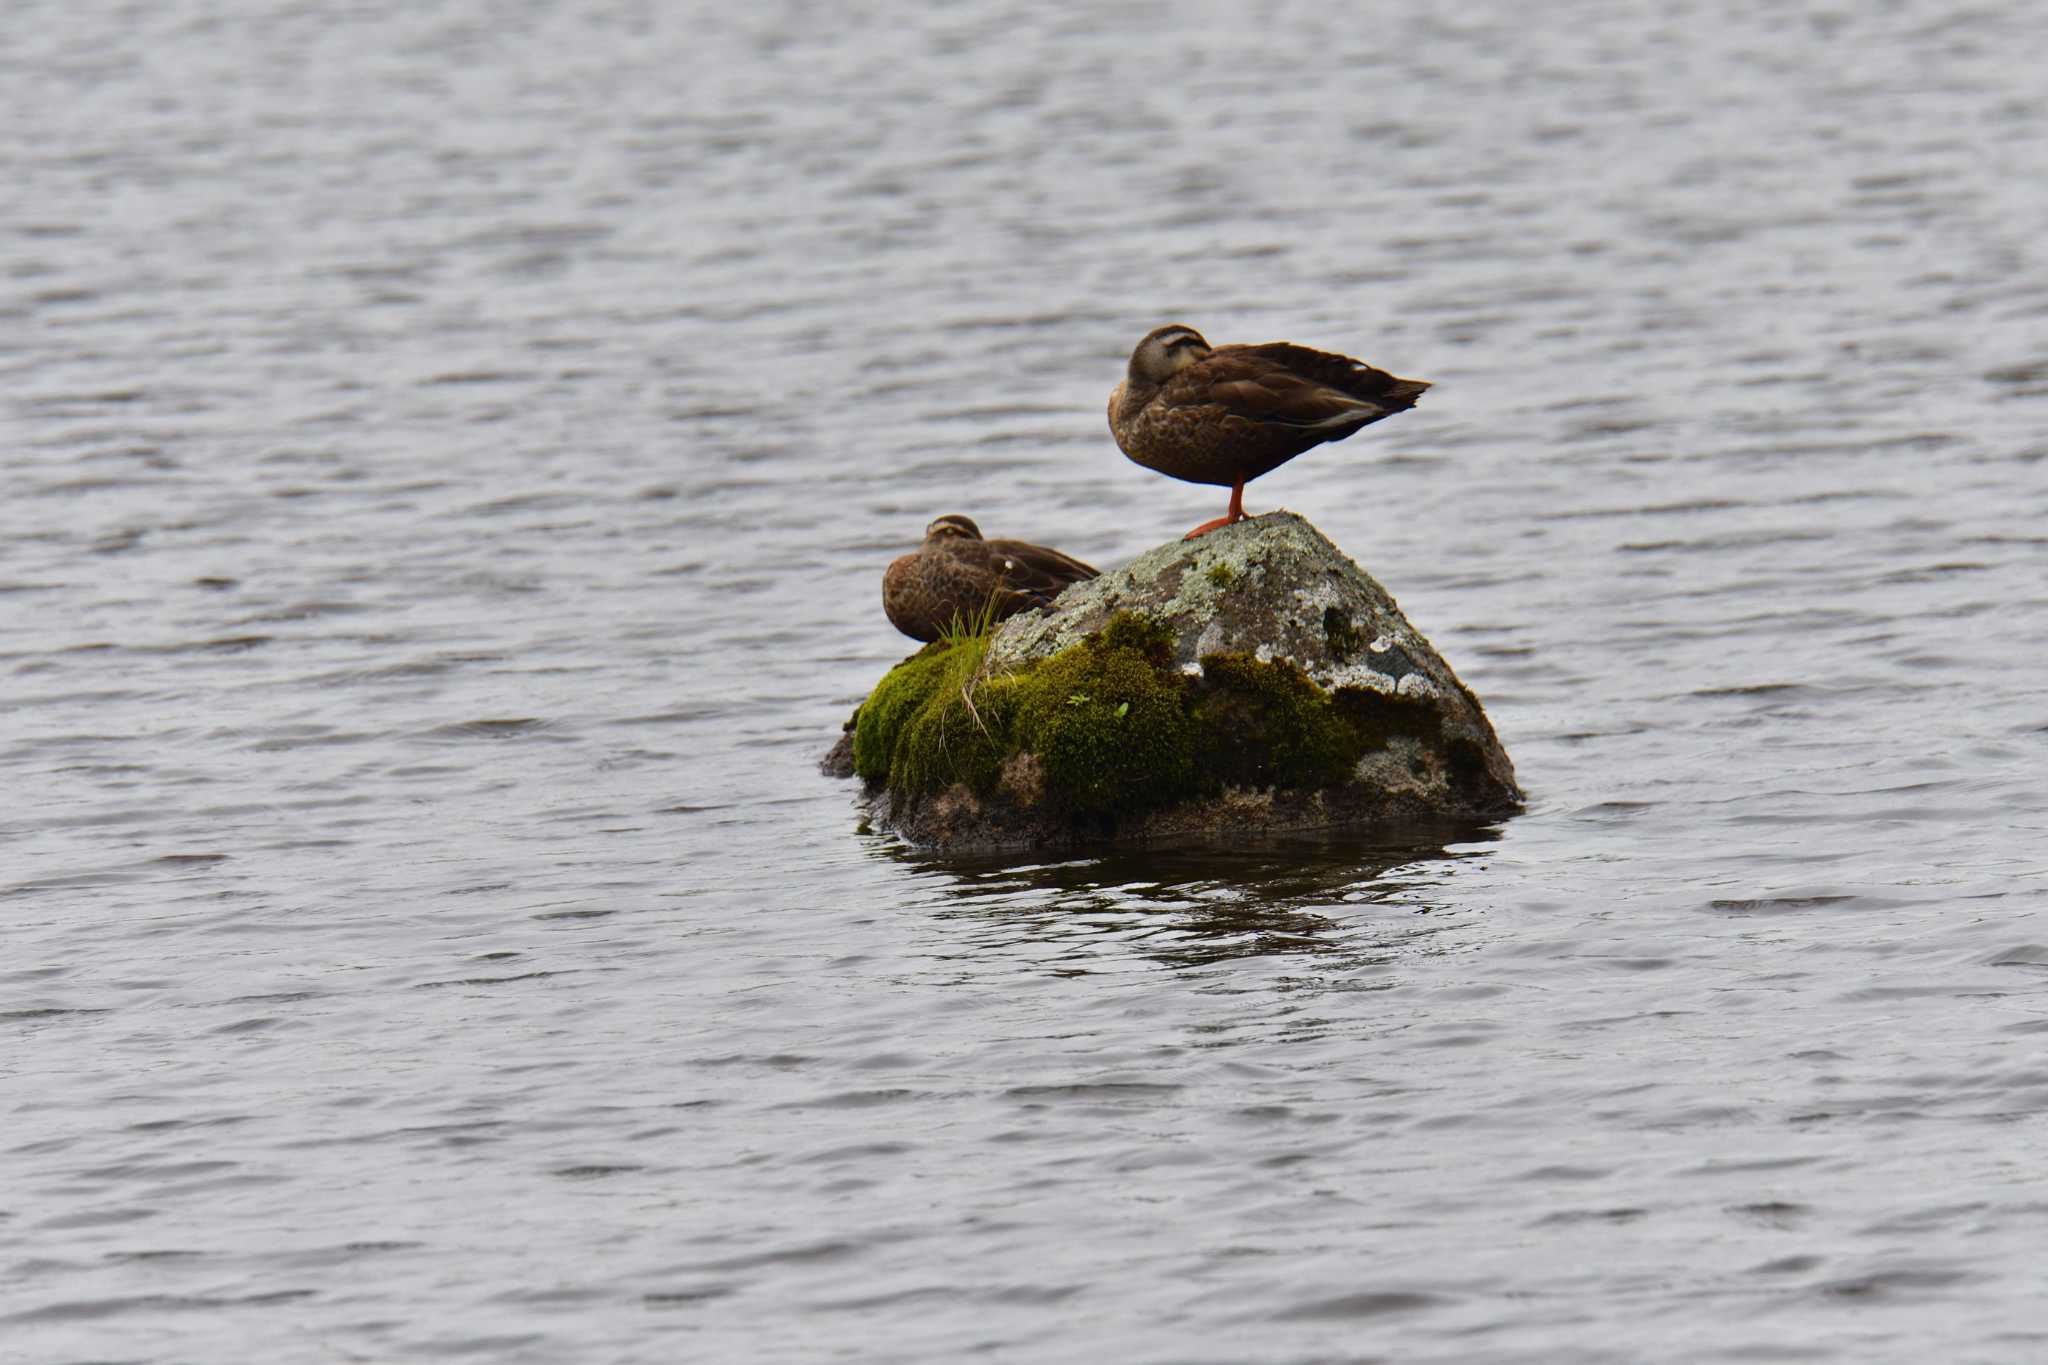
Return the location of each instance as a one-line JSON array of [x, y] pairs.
[[451, 451]]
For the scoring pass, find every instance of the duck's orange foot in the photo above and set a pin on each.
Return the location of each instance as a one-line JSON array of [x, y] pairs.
[[1231, 515], [1206, 527]]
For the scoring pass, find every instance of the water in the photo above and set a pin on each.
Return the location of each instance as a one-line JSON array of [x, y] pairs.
[[451, 453]]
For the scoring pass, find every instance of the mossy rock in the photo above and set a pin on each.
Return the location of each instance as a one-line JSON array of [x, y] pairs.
[[1251, 680], [1106, 720]]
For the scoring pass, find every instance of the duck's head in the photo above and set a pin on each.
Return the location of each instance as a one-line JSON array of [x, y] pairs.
[[1166, 350], [952, 524]]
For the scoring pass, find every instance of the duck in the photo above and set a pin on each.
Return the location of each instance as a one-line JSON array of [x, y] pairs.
[[956, 575], [1227, 414]]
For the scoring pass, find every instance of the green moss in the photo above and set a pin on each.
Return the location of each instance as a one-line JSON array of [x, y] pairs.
[[1140, 634], [1221, 576], [1116, 728], [962, 734], [1265, 724], [1378, 718], [882, 721], [1107, 720]]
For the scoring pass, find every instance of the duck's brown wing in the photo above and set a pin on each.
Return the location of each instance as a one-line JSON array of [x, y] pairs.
[[1035, 568], [1281, 384]]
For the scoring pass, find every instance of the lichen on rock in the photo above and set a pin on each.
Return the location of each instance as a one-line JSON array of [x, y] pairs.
[[1252, 680]]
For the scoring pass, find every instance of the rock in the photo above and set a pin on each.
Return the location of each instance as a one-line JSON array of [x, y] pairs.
[[1253, 680], [838, 760]]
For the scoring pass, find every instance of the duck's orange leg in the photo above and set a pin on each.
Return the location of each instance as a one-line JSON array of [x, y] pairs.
[[1230, 518]]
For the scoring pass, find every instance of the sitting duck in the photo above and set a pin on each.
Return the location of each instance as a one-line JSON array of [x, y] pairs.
[[956, 575], [1227, 414]]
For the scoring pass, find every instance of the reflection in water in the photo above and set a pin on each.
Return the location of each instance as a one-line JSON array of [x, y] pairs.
[[1191, 905]]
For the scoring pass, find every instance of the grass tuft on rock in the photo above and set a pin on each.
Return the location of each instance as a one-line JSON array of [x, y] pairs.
[[960, 734], [881, 723]]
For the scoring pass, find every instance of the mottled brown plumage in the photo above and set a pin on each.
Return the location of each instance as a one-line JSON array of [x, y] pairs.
[[956, 575], [1227, 414]]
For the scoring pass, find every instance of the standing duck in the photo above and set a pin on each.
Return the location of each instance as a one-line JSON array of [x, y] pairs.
[[956, 575], [1227, 414]]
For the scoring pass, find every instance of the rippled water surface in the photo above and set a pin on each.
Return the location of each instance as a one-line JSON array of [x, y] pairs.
[[451, 452]]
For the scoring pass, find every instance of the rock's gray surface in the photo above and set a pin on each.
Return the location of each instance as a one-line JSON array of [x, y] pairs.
[[1273, 586]]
